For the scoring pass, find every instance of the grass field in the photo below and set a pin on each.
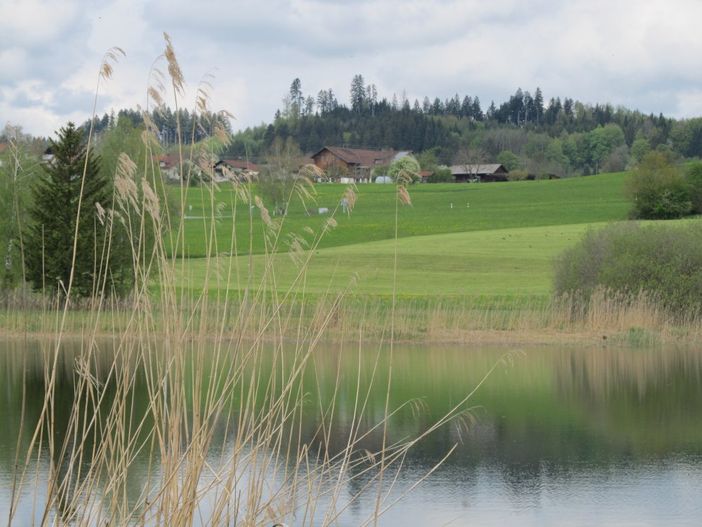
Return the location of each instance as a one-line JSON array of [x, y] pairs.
[[436, 209], [492, 240], [495, 263]]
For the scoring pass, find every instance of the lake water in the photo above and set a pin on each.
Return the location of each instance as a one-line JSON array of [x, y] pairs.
[[555, 436]]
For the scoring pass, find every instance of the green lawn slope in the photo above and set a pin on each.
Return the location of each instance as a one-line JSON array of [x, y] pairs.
[[436, 209], [507, 263]]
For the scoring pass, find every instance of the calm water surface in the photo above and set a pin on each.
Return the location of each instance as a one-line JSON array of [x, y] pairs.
[[597, 436]]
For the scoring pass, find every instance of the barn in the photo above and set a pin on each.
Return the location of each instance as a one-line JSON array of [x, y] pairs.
[[352, 163], [476, 173]]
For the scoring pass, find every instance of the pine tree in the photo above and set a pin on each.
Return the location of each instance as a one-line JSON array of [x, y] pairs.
[[477, 111], [467, 107], [539, 105], [358, 93], [50, 238]]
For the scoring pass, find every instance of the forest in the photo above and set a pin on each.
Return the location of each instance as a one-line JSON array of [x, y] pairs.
[[526, 133]]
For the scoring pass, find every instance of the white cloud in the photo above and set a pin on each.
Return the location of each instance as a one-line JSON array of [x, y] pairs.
[[640, 54], [35, 23]]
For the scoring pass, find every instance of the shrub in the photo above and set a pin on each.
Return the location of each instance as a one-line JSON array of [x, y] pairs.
[[662, 261], [693, 176], [658, 189], [518, 175], [441, 175], [406, 170], [508, 159]]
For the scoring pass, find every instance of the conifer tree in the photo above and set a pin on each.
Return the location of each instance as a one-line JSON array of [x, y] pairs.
[[50, 237]]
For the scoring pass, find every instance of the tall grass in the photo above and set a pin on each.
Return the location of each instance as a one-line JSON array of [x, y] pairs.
[[510, 321], [225, 439]]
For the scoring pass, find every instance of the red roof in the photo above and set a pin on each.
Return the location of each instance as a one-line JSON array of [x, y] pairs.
[[361, 157], [3, 147], [241, 164], [167, 160]]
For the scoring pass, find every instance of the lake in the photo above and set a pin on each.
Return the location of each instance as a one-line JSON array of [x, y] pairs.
[[553, 436]]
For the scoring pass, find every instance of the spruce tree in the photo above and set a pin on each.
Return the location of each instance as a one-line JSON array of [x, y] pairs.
[[50, 237]]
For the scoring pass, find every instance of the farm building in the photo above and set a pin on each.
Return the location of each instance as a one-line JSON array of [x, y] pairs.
[[168, 163], [478, 173], [228, 169], [353, 164]]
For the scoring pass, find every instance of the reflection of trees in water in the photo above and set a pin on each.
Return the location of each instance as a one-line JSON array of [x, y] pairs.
[[601, 373], [69, 440], [566, 410], [643, 401], [551, 416]]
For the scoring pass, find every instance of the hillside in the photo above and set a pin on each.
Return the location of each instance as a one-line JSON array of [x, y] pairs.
[[505, 263], [436, 209]]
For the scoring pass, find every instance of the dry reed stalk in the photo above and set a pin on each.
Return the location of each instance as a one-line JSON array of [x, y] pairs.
[[246, 400]]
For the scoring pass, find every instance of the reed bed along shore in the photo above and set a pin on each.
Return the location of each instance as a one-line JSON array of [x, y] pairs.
[[605, 318]]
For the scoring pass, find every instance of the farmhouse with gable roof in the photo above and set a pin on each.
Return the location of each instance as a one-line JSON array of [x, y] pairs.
[[353, 164]]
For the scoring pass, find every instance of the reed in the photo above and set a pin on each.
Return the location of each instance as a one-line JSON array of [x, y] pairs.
[[208, 388], [615, 317]]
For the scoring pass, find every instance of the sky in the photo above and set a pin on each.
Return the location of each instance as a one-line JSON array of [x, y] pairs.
[[642, 54]]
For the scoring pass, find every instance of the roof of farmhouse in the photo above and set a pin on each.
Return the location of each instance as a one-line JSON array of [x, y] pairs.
[[476, 169], [358, 156]]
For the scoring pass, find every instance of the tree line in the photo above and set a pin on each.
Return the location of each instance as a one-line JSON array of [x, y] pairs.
[[192, 127], [527, 133]]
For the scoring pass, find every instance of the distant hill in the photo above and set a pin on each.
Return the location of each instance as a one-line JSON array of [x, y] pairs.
[[527, 133]]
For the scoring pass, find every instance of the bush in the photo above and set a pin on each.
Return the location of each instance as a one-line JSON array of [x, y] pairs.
[[693, 176], [508, 159], [658, 189], [441, 175], [517, 175], [404, 170], [663, 261]]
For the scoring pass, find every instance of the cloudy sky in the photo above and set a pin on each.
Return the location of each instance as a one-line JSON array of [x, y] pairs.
[[643, 54]]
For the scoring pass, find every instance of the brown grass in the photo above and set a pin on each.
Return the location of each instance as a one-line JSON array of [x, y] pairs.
[[223, 437], [614, 319]]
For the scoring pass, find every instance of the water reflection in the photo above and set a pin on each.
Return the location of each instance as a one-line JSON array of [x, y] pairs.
[[598, 436]]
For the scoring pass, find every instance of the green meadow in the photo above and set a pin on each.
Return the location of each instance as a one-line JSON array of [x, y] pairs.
[[436, 209], [495, 263], [472, 240]]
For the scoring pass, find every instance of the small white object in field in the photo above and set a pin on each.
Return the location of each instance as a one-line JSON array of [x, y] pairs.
[[323, 210], [451, 205]]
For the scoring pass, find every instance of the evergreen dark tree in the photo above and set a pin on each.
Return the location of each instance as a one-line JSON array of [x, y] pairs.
[[568, 107], [529, 108], [358, 93], [295, 99], [539, 105], [50, 238], [477, 111], [492, 110], [467, 107]]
